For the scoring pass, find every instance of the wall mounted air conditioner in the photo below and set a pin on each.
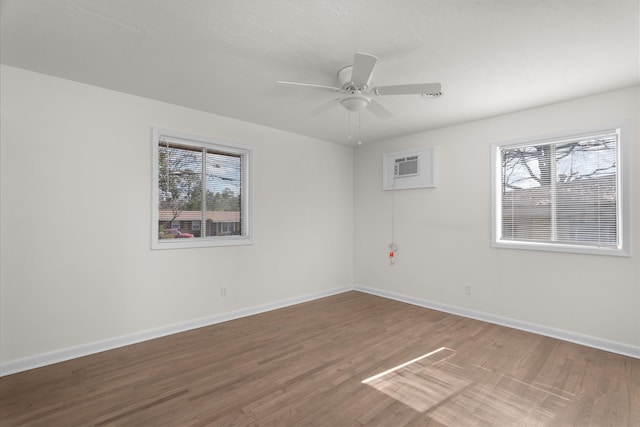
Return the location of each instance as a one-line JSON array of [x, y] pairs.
[[415, 168]]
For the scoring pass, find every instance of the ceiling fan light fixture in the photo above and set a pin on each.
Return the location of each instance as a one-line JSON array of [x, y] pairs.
[[355, 102]]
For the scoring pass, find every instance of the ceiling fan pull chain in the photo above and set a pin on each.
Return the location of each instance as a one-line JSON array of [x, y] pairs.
[[359, 129]]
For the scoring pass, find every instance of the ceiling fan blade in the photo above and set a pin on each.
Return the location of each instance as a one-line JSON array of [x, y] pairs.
[[324, 107], [378, 110], [410, 89], [311, 86], [363, 64]]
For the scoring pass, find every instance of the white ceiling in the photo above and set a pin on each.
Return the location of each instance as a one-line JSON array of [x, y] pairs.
[[224, 56]]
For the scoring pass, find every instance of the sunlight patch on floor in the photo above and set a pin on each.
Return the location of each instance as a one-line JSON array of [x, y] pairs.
[[418, 384], [449, 393], [436, 355]]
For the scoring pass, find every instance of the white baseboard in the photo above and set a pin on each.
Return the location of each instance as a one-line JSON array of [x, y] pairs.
[[49, 358], [587, 340]]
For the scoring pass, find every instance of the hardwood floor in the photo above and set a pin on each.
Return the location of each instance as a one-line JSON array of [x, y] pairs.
[[347, 360]]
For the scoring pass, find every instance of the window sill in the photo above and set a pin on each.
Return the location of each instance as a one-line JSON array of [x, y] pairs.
[[557, 247], [201, 242]]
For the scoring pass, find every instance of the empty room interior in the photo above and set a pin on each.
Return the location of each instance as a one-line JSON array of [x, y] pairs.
[[320, 213]]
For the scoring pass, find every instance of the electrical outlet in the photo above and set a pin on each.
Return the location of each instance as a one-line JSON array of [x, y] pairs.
[[467, 289], [223, 291]]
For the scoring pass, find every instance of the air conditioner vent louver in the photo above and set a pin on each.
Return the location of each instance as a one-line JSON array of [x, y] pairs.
[[407, 166], [414, 168]]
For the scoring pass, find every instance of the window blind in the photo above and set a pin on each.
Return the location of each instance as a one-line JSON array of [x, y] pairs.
[[562, 192], [200, 190]]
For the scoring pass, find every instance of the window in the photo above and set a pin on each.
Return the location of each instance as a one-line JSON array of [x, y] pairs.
[[560, 195], [201, 192]]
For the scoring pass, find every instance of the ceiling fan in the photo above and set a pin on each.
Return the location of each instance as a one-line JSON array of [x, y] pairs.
[[357, 95]]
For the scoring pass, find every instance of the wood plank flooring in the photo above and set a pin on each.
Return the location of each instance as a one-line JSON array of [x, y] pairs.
[[351, 359]]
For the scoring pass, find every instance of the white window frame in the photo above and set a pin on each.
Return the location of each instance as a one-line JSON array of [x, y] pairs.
[[246, 215], [623, 193]]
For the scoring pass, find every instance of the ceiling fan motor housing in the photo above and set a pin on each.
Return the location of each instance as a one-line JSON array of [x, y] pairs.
[[355, 101], [346, 83]]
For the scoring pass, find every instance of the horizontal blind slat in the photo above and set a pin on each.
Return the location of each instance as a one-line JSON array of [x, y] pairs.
[[563, 191]]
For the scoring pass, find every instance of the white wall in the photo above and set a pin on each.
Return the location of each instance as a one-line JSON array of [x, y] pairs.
[[76, 264], [443, 234]]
